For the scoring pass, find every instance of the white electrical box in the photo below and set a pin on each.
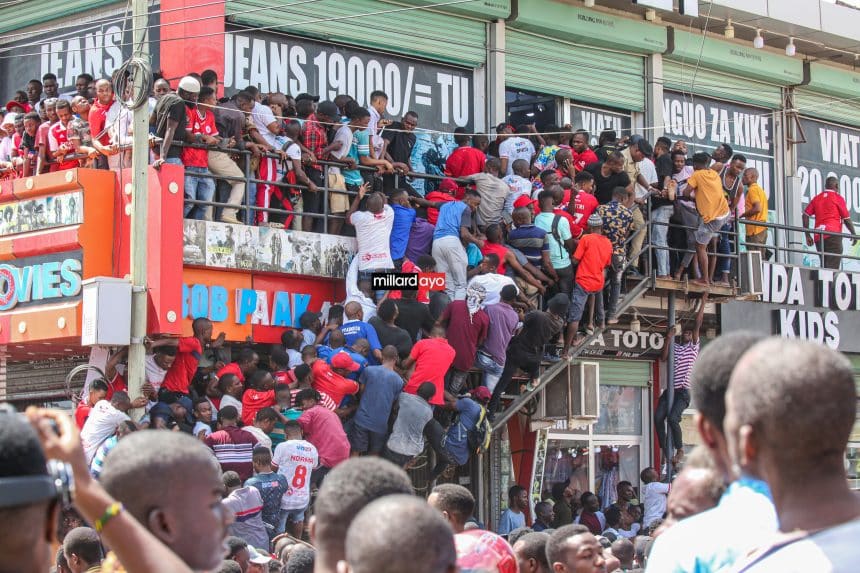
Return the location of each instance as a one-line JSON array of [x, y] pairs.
[[106, 312]]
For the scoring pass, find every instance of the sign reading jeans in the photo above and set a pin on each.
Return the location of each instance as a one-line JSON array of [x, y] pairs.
[[97, 48], [831, 150], [706, 123]]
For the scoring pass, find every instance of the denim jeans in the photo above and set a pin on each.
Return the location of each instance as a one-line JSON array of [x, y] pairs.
[[659, 236], [492, 371], [724, 247], [200, 189], [612, 290]]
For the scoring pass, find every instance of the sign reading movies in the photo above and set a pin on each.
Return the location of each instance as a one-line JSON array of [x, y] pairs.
[[706, 123], [440, 95], [97, 48]]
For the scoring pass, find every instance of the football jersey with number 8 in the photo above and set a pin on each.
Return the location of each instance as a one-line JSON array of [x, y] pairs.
[[296, 459]]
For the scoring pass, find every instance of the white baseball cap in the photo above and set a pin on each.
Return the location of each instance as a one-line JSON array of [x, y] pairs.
[[258, 556], [189, 84]]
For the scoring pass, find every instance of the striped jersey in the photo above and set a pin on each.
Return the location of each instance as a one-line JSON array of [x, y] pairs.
[[247, 505], [234, 449], [685, 356]]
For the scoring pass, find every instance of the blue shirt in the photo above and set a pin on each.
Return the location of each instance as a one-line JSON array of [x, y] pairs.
[[403, 219], [381, 388], [354, 329], [326, 353], [716, 539], [360, 148], [531, 241], [559, 257], [457, 438], [510, 521], [450, 219], [272, 487]]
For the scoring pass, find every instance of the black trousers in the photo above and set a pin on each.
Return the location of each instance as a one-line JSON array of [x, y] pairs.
[[662, 413], [518, 357]]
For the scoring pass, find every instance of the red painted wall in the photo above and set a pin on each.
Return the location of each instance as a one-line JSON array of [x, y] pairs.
[[191, 46]]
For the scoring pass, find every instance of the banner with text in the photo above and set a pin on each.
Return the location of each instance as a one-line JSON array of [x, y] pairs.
[[441, 95], [594, 120], [706, 123], [97, 48], [831, 150]]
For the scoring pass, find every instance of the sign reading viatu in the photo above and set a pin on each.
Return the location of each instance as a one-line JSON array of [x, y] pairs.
[[97, 48], [441, 95], [594, 120], [821, 305]]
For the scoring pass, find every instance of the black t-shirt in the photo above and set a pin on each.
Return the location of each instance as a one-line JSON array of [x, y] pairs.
[[171, 106], [393, 335], [400, 143], [413, 316], [538, 329], [603, 186], [664, 167]]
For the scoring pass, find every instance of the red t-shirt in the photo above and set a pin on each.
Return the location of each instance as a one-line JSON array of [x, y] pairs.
[[232, 368], [328, 381], [188, 354], [98, 119], [580, 160], [465, 161], [829, 209], [594, 254], [118, 384], [253, 401], [433, 357], [193, 157], [82, 412], [499, 250], [465, 333], [584, 205], [57, 136], [324, 430], [433, 213]]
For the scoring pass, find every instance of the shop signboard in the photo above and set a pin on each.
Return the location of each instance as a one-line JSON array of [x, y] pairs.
[[831, 150], [595, 120], [705, 123], [820, 305], [97, 48], [43, 279], [624, 343]]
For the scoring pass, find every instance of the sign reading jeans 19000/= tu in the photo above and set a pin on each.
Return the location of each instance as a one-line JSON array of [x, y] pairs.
[[831, 150], [706, 123], [820, 305], [441, 95]]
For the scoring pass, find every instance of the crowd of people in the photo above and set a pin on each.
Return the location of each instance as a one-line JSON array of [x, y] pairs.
[[767, 450]]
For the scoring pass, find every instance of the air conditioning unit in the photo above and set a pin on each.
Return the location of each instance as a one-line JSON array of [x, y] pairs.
[[574, 393], [750, 273]]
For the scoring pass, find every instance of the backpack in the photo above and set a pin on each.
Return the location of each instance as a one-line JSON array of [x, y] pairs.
[[556, 235], [478, 438]]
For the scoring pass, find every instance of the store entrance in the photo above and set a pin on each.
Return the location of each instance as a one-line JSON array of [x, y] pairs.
[[527, 108]]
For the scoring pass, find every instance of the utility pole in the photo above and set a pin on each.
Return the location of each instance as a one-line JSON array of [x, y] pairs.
[[670, 387], [139, 207]]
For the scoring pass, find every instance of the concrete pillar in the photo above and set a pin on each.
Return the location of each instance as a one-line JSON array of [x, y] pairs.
[[496, 75], [653, 97]]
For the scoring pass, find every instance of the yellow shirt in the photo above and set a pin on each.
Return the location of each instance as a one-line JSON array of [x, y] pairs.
[[710, 199], [630, 166], [755, 194]]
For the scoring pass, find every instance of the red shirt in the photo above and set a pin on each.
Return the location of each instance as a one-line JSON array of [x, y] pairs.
[[433, 357], [98, 119], [432, 213], [580, 160], [188, 354], [315, 138], [82, 412], [192, 157], [328, 381], [829, 209], [465, 161], [118, 384], [584, 206], [253, 401], [594, 253], [232, 368], [58, 135], [423, 291], [499, 250], [324, 430], [234, 449], [465, 332]]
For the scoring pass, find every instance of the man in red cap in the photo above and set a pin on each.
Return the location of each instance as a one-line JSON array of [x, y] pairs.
[[332, 379], [447, 191]]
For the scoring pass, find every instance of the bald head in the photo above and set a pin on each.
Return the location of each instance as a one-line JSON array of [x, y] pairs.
[[697, 488], [800, 434], [425, 540], [353, 310]]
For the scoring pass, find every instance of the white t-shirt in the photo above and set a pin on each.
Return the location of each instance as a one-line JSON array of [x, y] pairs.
[[654, 498], [516, 148], [493, 284], [262, 117], [201, 427], [296, 459], [262, 438], [519, 186], [101, 425], [227, 400], [833, 550], [373, 235], [649, 172], [154, 372], [293, 151]]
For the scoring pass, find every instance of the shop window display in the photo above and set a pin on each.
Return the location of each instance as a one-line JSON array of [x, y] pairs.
[[565, 460], [614, 463]]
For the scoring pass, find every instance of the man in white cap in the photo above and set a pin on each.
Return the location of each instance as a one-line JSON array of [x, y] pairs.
[[171, 118], [593, 254]]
